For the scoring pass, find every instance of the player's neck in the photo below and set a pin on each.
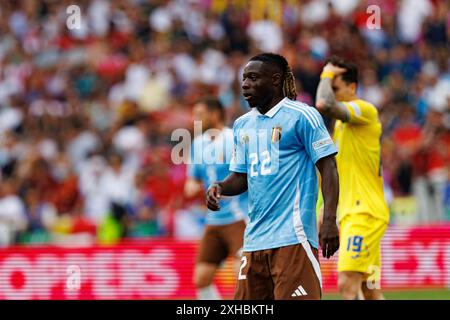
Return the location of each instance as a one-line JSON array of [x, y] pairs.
[[273, 103], [352, 97], [219, 126]]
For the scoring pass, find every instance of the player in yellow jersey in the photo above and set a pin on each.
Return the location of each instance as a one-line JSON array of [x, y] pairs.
[[363, 214]]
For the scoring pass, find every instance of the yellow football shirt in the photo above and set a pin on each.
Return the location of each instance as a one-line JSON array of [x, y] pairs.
[[359, 162]]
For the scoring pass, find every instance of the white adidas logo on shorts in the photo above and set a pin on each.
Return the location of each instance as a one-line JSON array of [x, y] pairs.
[[299, 292]]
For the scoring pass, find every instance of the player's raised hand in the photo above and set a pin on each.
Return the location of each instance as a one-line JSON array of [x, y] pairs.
[[213, 195], [329, 238], [329, 67]]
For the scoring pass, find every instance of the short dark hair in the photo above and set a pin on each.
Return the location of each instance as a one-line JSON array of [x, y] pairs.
[[214, 105], [272, 59], [349, 76], [281, 63]]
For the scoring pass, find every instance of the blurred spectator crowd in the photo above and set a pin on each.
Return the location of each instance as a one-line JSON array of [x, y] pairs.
[[86, 115]]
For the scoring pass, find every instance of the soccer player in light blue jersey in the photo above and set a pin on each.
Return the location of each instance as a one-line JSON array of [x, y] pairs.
[[210, 158], [277, 147]]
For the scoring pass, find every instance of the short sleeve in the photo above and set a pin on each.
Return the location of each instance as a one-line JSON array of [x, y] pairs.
[[238, 159], [314, 136], [195, 168], [360, 112]]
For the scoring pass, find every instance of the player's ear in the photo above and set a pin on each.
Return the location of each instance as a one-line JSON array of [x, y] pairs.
[[277, 79]]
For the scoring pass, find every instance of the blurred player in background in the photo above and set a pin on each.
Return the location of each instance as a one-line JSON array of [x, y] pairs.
[[224, 232], [363, 213], [278, 145]]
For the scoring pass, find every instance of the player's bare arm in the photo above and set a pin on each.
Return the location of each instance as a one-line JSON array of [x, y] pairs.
[[329, 233], [326, 101], [234, 184]]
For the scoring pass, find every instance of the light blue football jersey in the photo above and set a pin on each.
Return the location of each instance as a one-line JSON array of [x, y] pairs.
[[278, 151], [210, 160]]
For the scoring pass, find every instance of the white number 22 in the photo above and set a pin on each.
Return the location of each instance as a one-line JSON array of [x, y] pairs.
[[265, 164]]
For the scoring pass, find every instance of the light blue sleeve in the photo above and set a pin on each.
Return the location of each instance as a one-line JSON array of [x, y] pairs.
[[314, 136], [238, 162], [195, 167]]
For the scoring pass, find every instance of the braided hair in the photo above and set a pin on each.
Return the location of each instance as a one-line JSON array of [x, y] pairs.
[[282, 64]]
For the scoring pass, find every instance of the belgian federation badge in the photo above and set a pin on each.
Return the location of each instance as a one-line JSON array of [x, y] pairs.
[[276, 134]]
